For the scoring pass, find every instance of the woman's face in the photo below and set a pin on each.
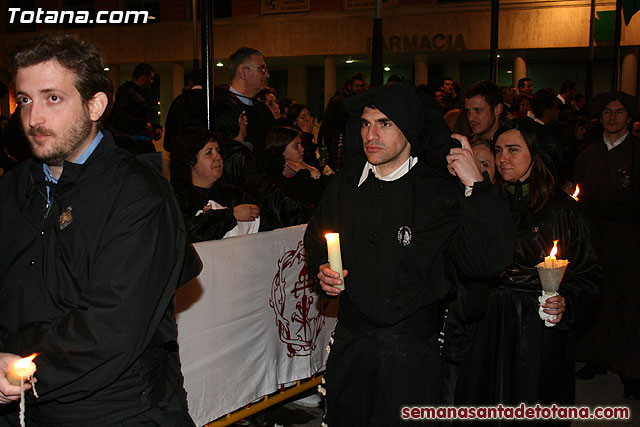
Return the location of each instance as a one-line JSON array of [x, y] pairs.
[[272, 103], [485, 159], [525, 105], [293, 151], [208, 167], [302, 118], [512, 156]]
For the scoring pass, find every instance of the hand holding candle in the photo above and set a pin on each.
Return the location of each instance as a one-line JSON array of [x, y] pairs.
[[21, 370], [9, 392], [551, 271], [335, 257]]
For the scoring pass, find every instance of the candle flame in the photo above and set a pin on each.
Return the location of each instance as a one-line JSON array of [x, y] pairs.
[[575, 193], [554, 251], [331, 236], [23, 363]]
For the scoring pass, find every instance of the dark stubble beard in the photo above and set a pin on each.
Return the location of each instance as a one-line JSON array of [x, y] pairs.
[[66, 144]]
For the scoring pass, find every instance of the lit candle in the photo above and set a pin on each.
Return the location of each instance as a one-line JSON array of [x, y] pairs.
[[21, 370], [576, 193], [550, 261], [335, 258]]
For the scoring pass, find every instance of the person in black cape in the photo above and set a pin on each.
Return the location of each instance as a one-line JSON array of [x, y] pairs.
[[513, 356], [608, 173], [405, 228]]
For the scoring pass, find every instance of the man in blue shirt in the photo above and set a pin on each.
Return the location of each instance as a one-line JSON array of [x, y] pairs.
[[93, 247]]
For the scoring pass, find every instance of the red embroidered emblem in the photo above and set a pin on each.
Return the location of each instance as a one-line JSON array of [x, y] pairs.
[[299, 326]]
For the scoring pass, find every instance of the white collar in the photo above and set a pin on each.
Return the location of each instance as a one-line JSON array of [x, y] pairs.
[[614, 144], [396, 174]]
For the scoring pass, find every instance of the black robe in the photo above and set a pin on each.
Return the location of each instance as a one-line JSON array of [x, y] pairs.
[[402, 242], [243, 170], [259, 120], [610, 191], [88, 283], [214, 223], [514, 357]]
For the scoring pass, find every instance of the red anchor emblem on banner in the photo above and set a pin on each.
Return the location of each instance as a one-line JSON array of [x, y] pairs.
[[299, 325]]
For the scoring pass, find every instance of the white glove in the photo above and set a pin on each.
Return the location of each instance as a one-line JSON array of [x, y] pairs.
[[546, 316]]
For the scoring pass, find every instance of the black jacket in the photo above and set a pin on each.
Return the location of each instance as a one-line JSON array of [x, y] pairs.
[[87, 282], [132, 109], [277, 209], [259, 117], [188, 109], [388, 281], [214, 223]]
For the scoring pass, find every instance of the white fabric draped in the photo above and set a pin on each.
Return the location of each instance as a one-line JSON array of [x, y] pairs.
[[250, 322]]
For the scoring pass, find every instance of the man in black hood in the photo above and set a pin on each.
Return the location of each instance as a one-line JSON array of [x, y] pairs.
[[406, 227]]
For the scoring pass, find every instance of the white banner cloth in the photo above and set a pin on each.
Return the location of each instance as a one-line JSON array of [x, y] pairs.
[[250, 322]]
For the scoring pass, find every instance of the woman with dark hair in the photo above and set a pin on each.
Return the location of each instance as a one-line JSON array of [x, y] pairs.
[[286, 165], [515, 355], [284, 103], [299, 117], [211, 210], [269, 96]]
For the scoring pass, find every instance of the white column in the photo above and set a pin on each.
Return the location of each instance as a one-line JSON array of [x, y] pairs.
[[629, 74], [519, 70], [421, 69], [330, 79]]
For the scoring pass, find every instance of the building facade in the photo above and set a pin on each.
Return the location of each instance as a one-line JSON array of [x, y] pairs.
[[312, 47]]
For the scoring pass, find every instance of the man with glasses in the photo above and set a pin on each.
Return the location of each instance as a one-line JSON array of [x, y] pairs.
[[249, 75]]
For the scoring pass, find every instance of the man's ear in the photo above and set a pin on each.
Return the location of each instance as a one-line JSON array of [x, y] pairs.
[[97, 106], [498, 109]]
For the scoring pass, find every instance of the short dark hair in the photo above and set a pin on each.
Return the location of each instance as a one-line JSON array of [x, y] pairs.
[[277, 140], [285, 103], [239, 57], [488, 90], [73, 52], [522, 81], [567, 85], [544, 99], [226, 120], [142, 70], [294, 111], [195, 76], [187, 143], [444, 79], [262, 95]]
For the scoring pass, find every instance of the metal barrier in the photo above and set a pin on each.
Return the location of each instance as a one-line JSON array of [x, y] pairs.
[[267, 401]]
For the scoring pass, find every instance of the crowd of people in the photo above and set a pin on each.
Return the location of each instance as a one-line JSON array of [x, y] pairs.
[[446, 201]]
